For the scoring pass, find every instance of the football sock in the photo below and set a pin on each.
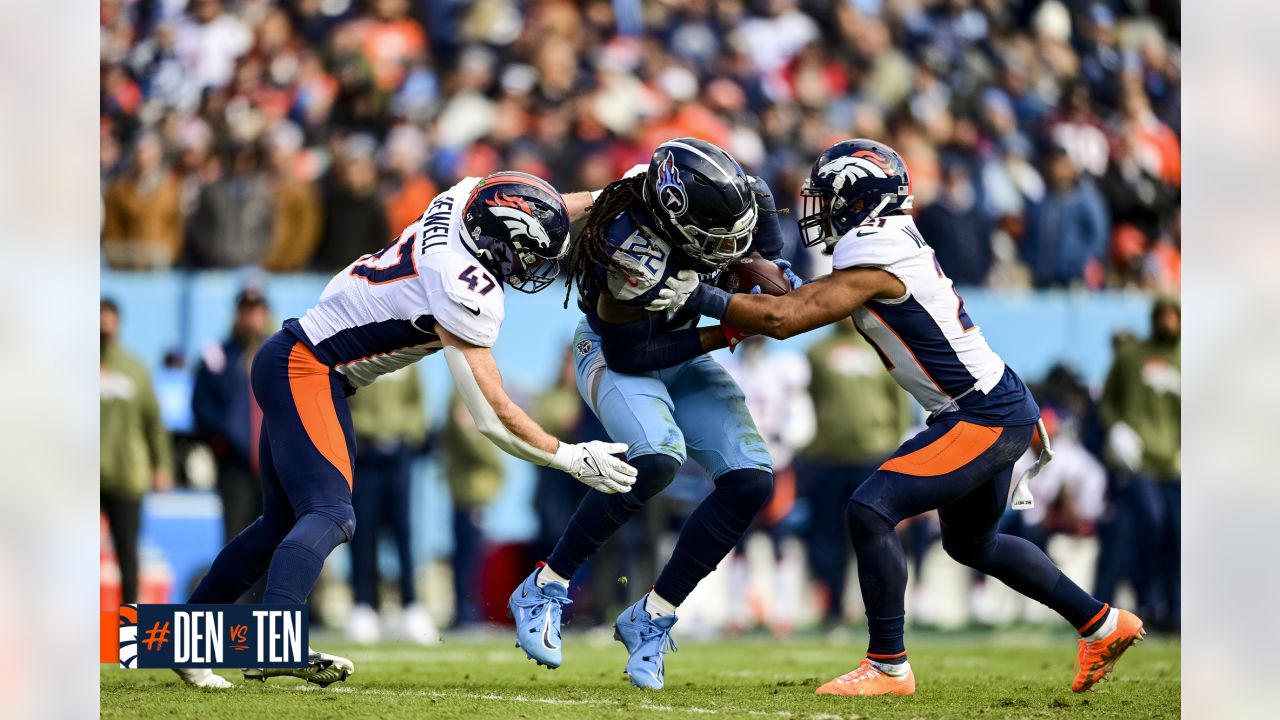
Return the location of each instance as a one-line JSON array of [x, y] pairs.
[[600, 515], [714, 528], [296, 565], [656, 606], [1104, 626], [238, 565], [1025, 568], [896, 669], [547, 575], [882, 575]]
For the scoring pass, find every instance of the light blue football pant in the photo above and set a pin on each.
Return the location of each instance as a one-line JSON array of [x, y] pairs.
[[694, 408]]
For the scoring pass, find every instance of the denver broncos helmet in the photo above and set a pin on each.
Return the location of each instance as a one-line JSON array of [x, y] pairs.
[[852, 183], [517, 225], [702, 197]]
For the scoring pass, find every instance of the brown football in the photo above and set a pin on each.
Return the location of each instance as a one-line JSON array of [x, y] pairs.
[[743, 274]]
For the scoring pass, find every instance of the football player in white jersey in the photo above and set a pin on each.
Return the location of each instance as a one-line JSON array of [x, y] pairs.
[[439, 286], [981, 415]]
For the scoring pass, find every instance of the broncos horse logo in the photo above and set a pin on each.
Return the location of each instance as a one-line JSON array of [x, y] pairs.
[[515, 213], [861, 164]]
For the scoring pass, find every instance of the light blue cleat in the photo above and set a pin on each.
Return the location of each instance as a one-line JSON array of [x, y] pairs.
[[537, 611], [647, 640]]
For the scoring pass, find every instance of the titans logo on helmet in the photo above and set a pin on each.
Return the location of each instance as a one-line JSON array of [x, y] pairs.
[[671, 191]]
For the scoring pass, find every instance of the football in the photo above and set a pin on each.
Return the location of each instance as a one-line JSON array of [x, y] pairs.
[[743, 274]]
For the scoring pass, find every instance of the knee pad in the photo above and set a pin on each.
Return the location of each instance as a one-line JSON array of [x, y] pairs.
[[320, 533], [751, 487], [654, 473], [864, 521]]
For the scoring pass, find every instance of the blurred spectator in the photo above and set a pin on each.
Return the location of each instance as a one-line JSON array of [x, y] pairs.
[[142, 212], [231, 225], [296, 227], [578, 92], [561, 411], [775, 383], [405, 156], [227, 416], [1141, 408], [134, 448], [391, 428], [957, 229], [355, 222], [847, 447], [1069, 492], [473, 470], [1067, 231]]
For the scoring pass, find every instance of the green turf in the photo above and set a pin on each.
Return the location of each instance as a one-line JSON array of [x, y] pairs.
[[1002, 675]]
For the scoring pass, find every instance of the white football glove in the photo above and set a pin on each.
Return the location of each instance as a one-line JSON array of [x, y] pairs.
[[676, 293], [594, 465]]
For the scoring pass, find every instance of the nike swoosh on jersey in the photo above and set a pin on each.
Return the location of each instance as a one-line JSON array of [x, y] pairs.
[[473, 310], [863, 233]]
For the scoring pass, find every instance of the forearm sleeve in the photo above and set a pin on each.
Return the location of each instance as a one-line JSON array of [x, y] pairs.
[[636, 347], [487, 421]]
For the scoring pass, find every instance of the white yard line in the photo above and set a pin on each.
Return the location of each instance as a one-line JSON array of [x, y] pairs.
[[494, 697]]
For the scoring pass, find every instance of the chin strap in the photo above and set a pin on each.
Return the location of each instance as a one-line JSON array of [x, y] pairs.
[[1022, 499]]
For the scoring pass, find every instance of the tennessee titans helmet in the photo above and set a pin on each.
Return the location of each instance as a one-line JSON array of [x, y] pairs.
[[852, 183], [703, 195], [517, 225]]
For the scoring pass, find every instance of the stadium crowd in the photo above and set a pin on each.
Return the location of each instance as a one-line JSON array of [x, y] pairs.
[[298, 134]]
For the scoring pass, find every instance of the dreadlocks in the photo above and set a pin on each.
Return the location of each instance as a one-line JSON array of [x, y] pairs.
[[591, 249]]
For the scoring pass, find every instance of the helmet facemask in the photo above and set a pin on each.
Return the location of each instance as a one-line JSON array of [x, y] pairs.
[[718, 247]]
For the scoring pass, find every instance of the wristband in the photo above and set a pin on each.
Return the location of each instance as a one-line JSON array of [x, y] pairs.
[[709, 300]]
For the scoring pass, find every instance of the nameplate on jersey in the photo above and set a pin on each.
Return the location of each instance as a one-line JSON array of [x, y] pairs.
[[433, 229], [206, 636]]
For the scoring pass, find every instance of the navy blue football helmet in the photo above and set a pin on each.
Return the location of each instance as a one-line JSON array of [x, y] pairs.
[[852, 183], [701, 197], [517, 226]]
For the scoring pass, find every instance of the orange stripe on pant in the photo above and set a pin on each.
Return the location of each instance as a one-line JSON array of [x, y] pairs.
[[955, 449], [313, 398]]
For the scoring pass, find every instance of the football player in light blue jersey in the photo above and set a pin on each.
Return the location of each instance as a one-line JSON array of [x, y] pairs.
[[649, 379], [981, 415]]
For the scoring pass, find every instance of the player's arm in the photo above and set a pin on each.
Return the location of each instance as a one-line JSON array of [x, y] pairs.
[[810, 306], [498, 418], [578, 203], [632, 342]]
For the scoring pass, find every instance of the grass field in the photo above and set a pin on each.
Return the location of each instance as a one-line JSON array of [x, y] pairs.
[[1001, 675]]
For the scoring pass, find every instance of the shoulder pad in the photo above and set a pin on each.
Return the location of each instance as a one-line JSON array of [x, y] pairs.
[[465, 299]]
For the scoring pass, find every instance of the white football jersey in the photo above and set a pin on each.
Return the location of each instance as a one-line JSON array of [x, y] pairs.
[[380, 313], [925, 338]]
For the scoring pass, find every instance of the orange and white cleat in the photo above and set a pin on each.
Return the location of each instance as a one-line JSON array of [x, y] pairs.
[[870, 680], [1097, 657]]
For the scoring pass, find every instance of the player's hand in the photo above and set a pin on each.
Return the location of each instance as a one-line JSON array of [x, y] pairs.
[[734, 334], [676, 293], [788, 273], [594, 465]]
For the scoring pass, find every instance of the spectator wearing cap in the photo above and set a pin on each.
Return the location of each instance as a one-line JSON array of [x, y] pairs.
[[355, 221], [142, 212], [1067, 230], [134, 452], [391, 429], [231, 225], [296, 226], [227, 417]]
